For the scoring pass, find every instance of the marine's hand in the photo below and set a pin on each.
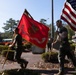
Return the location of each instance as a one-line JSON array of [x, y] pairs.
[[52, 44], [57, 32], [10, 46]]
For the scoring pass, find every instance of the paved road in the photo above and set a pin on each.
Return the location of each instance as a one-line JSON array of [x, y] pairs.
[[33, 59], [29, 56]]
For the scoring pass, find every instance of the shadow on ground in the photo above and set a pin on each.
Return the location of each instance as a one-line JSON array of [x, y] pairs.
[[53, 71], [36, 72]]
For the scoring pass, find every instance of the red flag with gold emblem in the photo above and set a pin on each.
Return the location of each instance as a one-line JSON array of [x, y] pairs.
[[33, 31]]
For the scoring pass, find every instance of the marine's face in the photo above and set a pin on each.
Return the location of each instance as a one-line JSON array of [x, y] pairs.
[[59, 24]]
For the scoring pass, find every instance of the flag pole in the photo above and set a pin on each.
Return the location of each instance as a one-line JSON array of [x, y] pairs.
[[52, 26], [27, 13]]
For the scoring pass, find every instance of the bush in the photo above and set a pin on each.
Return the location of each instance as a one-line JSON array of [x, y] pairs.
[[10, 55], [50, 56], [27, 45], [3, 47], [73, 46]]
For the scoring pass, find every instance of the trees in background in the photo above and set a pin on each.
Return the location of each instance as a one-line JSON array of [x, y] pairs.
[[70, 32], [10, 25], [44, 21]]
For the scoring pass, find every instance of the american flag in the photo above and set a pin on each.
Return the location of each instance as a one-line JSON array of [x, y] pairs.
[[69, 13]]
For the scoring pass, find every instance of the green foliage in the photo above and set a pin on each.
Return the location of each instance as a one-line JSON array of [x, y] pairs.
[[10, 55], [70, 32], [27, 46], [73, 46], [50, 56], [3, 47], [10, 25], [71, 42], [43, 21], [3, 51], [20, 72]]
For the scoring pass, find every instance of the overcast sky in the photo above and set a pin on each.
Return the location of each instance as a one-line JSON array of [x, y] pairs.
[[37, 8]]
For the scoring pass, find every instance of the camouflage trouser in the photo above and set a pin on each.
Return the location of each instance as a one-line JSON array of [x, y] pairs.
[[61, 57]]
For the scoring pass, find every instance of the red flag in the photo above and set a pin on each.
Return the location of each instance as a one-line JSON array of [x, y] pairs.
[[69, 13], [33, 31]]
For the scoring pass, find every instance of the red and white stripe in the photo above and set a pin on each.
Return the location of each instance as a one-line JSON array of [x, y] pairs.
[[69, 15]]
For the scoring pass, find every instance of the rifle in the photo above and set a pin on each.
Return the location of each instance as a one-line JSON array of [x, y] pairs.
[[5, 58]]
